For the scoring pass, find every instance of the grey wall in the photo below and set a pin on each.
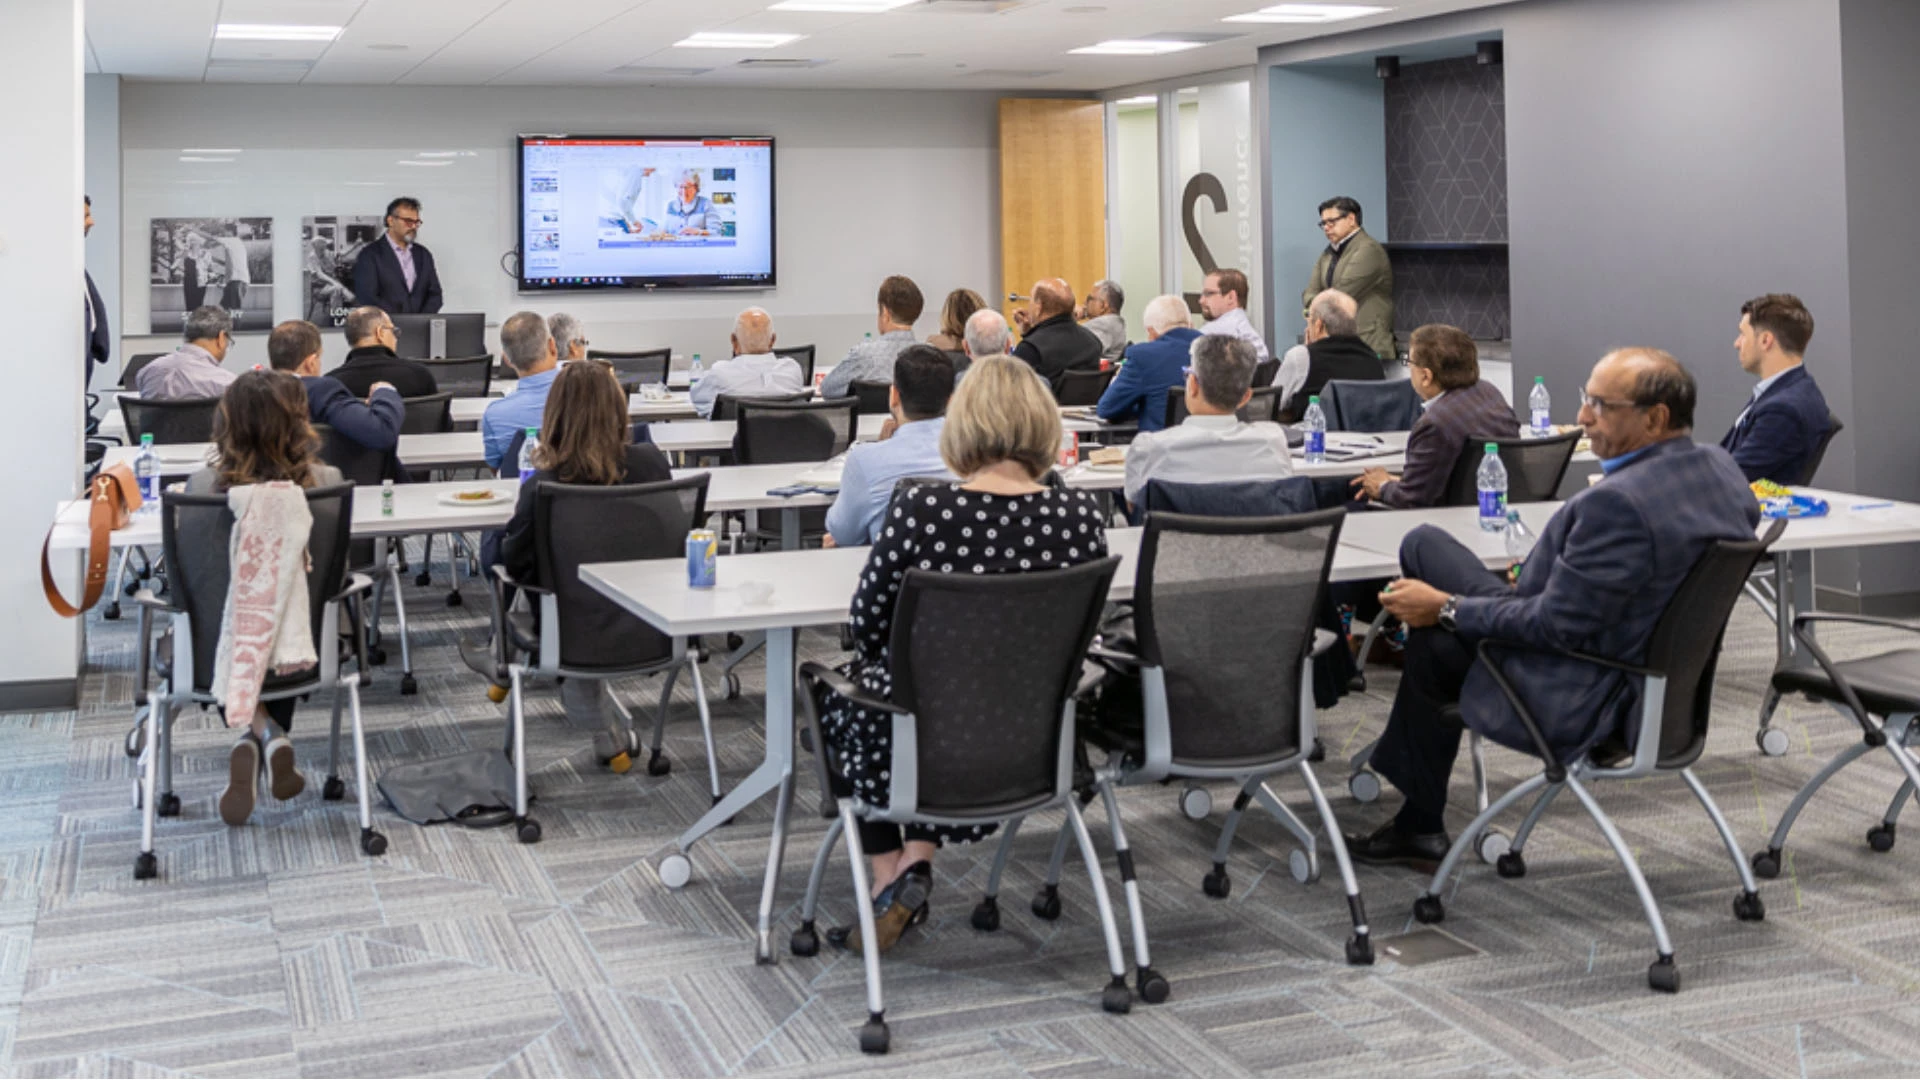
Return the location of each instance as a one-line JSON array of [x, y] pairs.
[[1447, 151], [1881, 86], [103, 186]]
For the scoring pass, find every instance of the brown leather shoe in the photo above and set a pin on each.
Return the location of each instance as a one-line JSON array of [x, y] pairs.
[[905, 905]]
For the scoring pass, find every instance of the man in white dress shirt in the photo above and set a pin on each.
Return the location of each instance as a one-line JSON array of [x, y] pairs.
[[1223, 300], [1212, 445], [754, 371]]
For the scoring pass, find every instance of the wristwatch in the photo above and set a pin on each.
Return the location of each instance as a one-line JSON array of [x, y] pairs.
[[1447, 612]]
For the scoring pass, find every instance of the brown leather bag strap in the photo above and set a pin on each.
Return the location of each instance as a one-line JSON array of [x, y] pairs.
[[100, 521]]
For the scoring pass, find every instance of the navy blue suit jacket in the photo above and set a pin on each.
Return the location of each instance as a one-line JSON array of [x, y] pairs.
[[1597, 581], [1149, 368], [1780, 433], [373, 424], [378, 280]]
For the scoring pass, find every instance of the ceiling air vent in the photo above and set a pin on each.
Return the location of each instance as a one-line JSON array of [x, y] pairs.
[[778, 63], [641, 71], [970, 7]]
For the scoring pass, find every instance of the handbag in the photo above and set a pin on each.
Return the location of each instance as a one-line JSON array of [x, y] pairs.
[[112, 498]]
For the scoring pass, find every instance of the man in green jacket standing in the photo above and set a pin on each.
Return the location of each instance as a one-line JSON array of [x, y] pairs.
[[1357, 265]]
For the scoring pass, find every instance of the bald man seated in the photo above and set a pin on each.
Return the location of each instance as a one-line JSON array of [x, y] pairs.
[[1053, 343], [754, 370]]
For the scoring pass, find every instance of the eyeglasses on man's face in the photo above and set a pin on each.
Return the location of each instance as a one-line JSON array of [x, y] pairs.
[[414, 221], [1330, 222], [1600, 405]]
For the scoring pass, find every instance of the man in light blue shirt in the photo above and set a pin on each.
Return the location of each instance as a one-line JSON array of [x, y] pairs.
[[922, 383], [528, 348], [872, 360], [754, 370]]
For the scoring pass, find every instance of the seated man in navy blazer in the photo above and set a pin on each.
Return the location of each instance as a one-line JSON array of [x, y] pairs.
[[1152, 367], [1777, 435], [394, 273], [1601, 575], [294, 347]]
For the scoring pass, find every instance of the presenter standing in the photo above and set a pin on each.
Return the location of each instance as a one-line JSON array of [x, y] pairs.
[[1357, 265], [395, 273]]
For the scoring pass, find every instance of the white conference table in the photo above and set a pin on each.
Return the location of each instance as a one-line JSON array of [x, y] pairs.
[[468, 410]]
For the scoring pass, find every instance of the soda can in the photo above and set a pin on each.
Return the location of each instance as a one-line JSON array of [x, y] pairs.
[[819, 380], [703, 548]]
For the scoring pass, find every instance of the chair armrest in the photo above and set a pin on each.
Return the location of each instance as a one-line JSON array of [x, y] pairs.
[[146, 599], [500, 574], [1322, 641], [1874, 735], [1556, 770], [815, 672], [1800, 621], [1114, 656], [357, 585]]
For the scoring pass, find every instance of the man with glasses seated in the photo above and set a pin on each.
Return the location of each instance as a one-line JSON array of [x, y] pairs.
[[394, 273], [1600, 577], [371, 341], [1223, 300], [1357, 265], [193, 370]]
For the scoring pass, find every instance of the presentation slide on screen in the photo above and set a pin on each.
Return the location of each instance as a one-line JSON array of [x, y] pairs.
[[625, 211]]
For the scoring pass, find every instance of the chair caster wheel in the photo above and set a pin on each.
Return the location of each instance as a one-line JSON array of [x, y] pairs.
[[1773, 742], [1664, 975], [422, 579], [334, 789], [1116, 998], [658, 764], [1304, 868], [454, 599], [1152, 986], [1748, 907], [1511, 864], [408, 686], [1046, 902], [805, 941], [675, 871], [1196, 803], [112, 612], [1491, 845], [168, 806], [496, 693], [873, 1036], [1427, 909], [529, 831], [1766, 864], [733, 687], [145, 866], [1880, 837], [1217, 883], [1364, 786], [132, 587], [136, 739], [1360, 950], [986, 915], [376, 655], [1319, 751], [374, 843]]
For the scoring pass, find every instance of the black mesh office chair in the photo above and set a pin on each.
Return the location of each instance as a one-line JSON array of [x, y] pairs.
[[129, 375], [580, 633], [173, 420], [367, 468], [1535, 467], [1263, 405], [1676, 705], [775, 432], [195, 530], [983, 731], [874, 398], [463, 376], [1264, 372], [1238, 498], [1834, 427], [638, 366], [802, 355], [428, 414], [727, 406], [1083, 387], [1764, 589], [1369, 405]]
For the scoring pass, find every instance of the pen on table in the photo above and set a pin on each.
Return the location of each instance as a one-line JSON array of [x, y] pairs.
[[1870, 506]]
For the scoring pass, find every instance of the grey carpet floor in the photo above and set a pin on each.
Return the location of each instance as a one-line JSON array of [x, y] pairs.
[[278, 949]]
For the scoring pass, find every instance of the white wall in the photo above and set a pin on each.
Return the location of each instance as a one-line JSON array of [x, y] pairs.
[[40, 275], [103, 185], [870, 183]]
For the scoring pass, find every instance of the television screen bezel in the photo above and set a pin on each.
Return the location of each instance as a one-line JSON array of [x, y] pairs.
[[700, 282]]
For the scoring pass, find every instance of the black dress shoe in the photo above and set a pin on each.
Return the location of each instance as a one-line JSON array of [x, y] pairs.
[[1389, 846]]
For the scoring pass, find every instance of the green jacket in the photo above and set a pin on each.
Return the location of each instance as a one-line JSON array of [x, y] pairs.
[[1364, 274]]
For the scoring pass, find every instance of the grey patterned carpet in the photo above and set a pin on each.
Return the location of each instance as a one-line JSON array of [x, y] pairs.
[[278, 949]]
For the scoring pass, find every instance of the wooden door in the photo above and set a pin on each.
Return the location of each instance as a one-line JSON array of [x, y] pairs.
[[1053, 194]]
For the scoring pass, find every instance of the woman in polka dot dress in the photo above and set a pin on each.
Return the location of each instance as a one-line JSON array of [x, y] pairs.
[[1001, 433]]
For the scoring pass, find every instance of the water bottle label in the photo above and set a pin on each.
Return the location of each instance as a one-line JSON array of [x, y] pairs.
[[526, 475], [1541, 420], [150, 489], [1493, 506], [1316, 443]]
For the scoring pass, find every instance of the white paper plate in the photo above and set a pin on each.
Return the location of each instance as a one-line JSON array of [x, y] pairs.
[[447, 498], [1116, 466]]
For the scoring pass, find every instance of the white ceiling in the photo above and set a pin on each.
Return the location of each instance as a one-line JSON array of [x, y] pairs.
[[931, 44]]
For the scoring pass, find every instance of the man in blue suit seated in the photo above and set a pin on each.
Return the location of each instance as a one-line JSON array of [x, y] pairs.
[[1598, 580], [1151, 368], [294, 347], [1777, 435]]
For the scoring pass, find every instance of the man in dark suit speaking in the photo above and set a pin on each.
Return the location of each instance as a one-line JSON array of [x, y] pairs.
[[394, 273], [1598, 580]]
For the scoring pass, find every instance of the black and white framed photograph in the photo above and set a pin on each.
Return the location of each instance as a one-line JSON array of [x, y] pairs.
[[224, 261], [329, 246]]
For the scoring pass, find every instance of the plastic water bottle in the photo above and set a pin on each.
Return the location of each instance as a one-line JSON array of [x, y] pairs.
[[695, 370], [1316, 421], [386, 498], [1520, 541], [1493, 491], [1540, 406], [533, 443], [146, 472]]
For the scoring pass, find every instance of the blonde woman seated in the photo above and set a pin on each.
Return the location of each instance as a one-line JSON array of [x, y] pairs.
[[260, 434], [1001, 435]]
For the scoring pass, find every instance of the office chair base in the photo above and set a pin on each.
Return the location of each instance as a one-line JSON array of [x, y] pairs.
[[1766, 864], [1196, 803], [1748, 907], [334, 789], [408, 685], [986, 915], [1360, 951], [1428, 909], [1491, 846], [376, 655], [1880, 837], [1511, 864], [373, 842], [1664, 975], [805, 941], [1217, 883], [112, 612], [658, 765], [1303, 866], [1152, 986], [1116, 998], [528, 831], [1364, 786], [874, 1037], [1772, 741], [145, 866], [675, 871], [168, 806], [1046, 903]]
